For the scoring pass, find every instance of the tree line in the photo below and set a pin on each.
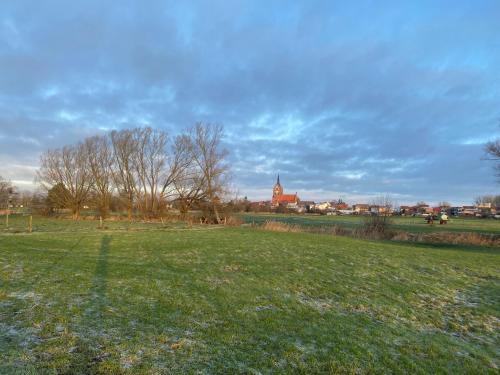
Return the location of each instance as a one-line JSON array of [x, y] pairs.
[[143, 169]]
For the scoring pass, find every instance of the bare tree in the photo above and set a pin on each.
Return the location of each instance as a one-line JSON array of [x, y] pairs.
[[144, 167], [100, 163], [492, 149], [444, 204], [385, 205], [186, 178], [5, 191], [209, 158], [124, 150], [485, 199], [177, 178], [69, 167], [150, 161], [379, 225]]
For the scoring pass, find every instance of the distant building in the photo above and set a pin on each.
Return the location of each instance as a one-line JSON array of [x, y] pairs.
[[485, 206], [469, 210], [280, 199], [423, 209], [341, 205], [361, 208], [456, 211], [323, 206], [306, 206], [407, 210]]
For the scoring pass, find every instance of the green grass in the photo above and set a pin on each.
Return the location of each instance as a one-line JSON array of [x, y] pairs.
[[19, 224], [149, 298], [408, 224]]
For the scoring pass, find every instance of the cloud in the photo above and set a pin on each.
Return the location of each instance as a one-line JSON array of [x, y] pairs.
[[352, 100]]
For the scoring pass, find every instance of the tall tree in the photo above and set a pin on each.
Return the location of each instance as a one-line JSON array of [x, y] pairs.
[[67, 166], [57, 196], [5, 191], [150, 161], [177, 178], [188, 180], [100, 163], [485, 199], [209, 158], [493, 151], [124, 150]]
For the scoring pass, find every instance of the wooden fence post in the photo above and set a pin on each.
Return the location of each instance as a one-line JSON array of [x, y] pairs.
[[30, 227], [100, 222], [7, 219]]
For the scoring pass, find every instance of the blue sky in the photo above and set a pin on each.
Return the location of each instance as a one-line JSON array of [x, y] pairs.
[[343, 100]]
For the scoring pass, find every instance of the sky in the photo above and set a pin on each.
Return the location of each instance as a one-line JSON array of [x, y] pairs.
[[351, 100]]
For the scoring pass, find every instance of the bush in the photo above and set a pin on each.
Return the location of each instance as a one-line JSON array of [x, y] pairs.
[[464, 238], [233, 221], [277, 226], [375, 227]]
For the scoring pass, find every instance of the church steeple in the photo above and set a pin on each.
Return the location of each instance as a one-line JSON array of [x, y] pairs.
[[277, 190], [283, 199]]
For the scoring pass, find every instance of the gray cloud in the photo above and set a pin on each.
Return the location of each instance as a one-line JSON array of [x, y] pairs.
[[348, 101]]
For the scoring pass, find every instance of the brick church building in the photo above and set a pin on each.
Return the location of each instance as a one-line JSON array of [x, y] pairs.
[[280, 199]]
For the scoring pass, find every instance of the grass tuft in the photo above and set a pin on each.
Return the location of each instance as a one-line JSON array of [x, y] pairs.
[[277, 226]]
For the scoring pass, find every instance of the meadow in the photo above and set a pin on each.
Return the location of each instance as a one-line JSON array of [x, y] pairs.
[[153, 298], [403, 223]]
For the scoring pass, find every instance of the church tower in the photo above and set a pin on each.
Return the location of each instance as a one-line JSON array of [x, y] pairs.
[[277, 191], [279, 198]]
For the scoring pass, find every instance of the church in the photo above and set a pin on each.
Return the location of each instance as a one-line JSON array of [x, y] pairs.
[[280, 199]]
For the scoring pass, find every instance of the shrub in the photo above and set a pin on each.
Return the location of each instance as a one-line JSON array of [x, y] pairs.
[[375, 227], [464, 238], [233, 221], [335, 230], [277, 226]]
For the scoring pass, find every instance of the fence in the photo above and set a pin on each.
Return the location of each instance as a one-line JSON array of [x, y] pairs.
[[16, 222]]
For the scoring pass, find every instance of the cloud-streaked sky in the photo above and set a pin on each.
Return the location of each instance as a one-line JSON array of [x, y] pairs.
[[344, 99]]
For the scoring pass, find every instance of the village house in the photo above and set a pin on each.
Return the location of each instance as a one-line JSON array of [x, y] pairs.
[[423, 209], [361, 208], [339, 205], [406, 210], [306, 206], [323, 206], [469, 210]]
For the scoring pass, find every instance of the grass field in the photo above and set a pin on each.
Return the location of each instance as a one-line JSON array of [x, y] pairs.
[[152, 298], [408, 224]]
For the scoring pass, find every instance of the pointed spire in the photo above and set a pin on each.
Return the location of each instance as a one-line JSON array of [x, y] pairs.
[[278, 182]]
